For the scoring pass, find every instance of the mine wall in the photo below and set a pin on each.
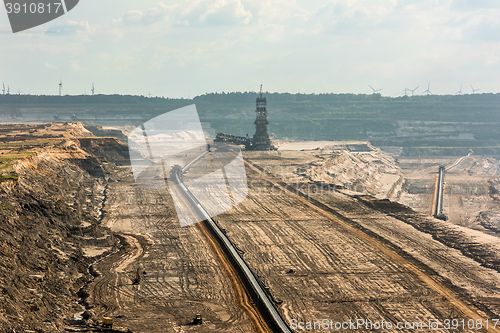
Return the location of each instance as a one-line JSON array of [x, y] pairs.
[[47, 216]]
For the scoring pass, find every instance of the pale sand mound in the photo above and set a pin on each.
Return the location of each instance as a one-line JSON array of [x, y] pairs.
[[355, 166]]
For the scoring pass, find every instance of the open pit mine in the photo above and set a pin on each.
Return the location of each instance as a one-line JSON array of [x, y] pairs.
[[329, 233]]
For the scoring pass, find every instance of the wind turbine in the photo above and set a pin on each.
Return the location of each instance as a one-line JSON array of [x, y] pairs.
[[428, 91], [60, 87], [8, 90], [474, 90], [460, 91], [413, 91], [375, 90], [92, 89], [3, 90]]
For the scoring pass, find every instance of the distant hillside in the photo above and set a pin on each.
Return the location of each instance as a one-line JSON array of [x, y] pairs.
[[417, 125]]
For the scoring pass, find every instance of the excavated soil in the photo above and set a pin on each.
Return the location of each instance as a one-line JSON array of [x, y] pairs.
[[333, 255], [50, 208], [72, 217]]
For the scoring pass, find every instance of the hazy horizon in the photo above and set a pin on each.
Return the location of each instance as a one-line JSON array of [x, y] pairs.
[[87, 93]]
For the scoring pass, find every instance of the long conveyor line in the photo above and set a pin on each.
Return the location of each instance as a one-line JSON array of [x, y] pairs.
[[263, 301]]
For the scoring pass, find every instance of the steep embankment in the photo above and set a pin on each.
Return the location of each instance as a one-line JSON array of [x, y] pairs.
[[47, 216]]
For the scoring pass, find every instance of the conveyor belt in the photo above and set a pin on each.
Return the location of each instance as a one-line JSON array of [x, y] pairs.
[[264, 302]]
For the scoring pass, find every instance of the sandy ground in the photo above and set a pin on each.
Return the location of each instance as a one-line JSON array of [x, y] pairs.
[[321, 265], [467, 189], [183, 275], [324, 255], [354, 166], [310, 145]]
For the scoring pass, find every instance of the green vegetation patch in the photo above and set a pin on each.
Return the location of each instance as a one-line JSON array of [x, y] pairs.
[[41, 142], [8, 176]]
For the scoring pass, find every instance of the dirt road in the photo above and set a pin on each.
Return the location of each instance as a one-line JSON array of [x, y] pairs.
[[323, 264], [183, 276], [336, 258]]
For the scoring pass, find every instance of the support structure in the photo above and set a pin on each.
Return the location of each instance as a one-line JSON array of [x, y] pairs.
[[261, 139], [440, 193]]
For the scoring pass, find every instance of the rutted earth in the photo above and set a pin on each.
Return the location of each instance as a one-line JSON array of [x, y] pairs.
[[180, 275], [404, 265], [324, 255]]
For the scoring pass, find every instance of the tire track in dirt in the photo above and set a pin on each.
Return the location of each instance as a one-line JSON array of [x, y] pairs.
[[241, 294], [108, 288], [467, 311], [183, 276]]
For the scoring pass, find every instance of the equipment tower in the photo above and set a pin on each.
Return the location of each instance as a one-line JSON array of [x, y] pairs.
[[261, 140]]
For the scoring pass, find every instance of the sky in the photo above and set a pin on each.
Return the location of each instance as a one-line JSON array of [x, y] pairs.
[[188, 48]]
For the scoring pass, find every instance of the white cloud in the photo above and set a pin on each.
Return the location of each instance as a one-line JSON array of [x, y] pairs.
[[50, 66], [133, 16], [313, 45], [281, 10], [468, 5], [224, 13], [211, 13], [105, 56], [75, 65], [158, 13], [68, 28]]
